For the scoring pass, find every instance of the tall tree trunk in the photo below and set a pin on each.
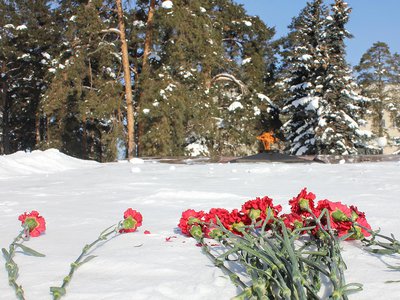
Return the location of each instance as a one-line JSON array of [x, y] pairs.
[[127, 79], [84, 137], [47, 130], [5, 106], [149, 34], [146, 53], [37, 127]]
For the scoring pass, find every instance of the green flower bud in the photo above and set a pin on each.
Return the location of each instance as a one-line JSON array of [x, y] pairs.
[[354, 216], [196, 232], [254, 214], [129, 223], [339, 216], [357, 233], [216, 234], [297, 224], [31, 223], [304, 204], [239, 227], [193, 220]]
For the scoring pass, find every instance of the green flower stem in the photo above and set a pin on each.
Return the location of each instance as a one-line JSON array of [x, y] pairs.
[[296, 274], [220, 264], [336, 263], [12, 267], [58, 292], [393, 247], [266, 256]]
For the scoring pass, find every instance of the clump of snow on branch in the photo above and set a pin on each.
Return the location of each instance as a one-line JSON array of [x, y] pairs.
[[167, 4]]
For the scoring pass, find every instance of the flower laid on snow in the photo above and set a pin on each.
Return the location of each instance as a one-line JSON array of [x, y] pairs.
[[343, 220], [238, 221], [189, 219], [212, 219], [275, 248], [339, 216], [33, 222], [259, 208], [303, 203], [292, 221], [34, 225], [132, 220]]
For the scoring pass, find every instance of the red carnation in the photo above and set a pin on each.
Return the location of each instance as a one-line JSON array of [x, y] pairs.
[[303, 203], [292, 221], [132, 220], [361, 232], [237, 221], [359, 218], [339, 215], [33, 222], [211, 228], [189, 218], [257, 209], [221, 213]]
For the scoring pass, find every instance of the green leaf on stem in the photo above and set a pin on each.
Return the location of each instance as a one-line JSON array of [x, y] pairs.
[[29, 251], [5, 253], [394, 267], [87, 259], [57, 291], [392, 281]]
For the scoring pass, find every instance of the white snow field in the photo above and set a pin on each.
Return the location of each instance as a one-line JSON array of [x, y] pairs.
[[79, 199]]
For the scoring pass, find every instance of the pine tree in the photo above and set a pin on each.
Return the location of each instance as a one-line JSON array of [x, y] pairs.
[[324, 111], [84, 103], [207, 57], [374, 75], [307, 60], [394, 83], [27, 38], [339, 125]]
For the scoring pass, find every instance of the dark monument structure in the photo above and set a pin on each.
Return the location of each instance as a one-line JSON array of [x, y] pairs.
[[268, 155]]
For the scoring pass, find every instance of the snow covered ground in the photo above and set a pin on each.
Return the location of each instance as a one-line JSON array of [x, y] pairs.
[[79, 199]]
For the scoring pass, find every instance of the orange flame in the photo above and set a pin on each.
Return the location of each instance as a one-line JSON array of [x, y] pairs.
[[267, 138]]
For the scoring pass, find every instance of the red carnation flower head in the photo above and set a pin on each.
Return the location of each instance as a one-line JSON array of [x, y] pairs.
[[238, 221], [361, 231], [303, 203], [211, 228], [258, 208], [132, 220], [339, 216], [355, 213], [33, 222], [221, 213], [338, 211], [190, 218], [358, 217], [292, 221]]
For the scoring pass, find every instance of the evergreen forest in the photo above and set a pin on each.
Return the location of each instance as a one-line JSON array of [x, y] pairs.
[[107, 80]]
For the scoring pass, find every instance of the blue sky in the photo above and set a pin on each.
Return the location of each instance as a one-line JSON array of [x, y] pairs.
[[370, 21]]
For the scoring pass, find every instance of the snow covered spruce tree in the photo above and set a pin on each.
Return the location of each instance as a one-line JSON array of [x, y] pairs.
[[324, 111], [374, 73], [197, 95], [306, 60], [395, 88], [84, 104], [340, 119], [28, 35]]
